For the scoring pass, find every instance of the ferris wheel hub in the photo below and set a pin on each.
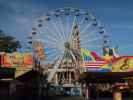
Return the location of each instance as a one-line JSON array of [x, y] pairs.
[[67, 45]]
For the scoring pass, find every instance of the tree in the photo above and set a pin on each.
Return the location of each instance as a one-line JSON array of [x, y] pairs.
[[8, 43]]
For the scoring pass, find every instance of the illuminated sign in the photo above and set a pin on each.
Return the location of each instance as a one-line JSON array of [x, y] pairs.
[[17, 60]]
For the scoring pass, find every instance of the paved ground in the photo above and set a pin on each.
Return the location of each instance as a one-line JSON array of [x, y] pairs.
[[81, 98], [59, 98], [66, 98]]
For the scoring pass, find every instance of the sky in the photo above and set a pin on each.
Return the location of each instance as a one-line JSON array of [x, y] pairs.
[[18, 16]]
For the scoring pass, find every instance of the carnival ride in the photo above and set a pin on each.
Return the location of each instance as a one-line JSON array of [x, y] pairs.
[[63, 32], [64, 44]]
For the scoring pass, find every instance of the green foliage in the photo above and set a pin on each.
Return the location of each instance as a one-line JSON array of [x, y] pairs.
[[8, 43]]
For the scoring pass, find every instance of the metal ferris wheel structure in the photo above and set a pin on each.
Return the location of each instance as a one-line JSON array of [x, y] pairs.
[[62, 33]]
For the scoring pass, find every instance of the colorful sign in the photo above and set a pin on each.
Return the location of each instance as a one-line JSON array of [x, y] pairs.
[[90, 55], [16, 59], [93, 63], [123, 64]]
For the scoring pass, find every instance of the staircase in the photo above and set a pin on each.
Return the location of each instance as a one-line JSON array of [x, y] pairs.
[[55, 67]]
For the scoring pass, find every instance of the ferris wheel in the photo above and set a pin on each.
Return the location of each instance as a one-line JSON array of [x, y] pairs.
[[68, 28]]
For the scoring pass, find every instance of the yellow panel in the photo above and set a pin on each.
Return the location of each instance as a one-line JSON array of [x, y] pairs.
[[124, 64]]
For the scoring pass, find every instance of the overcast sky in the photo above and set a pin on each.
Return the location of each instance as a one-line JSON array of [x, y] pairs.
[[18, 16]]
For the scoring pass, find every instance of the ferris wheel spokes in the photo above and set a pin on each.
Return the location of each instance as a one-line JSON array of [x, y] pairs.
[[67, 27], [81, 22], [87, 26], [51, 32], [59, 28], [46, 41], [91, 40], [52, 57]]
